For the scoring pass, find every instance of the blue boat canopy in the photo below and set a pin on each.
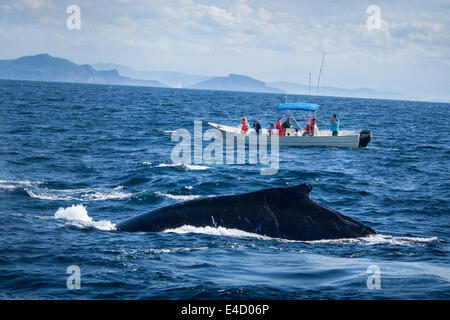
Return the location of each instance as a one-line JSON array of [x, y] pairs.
[[298, 106]]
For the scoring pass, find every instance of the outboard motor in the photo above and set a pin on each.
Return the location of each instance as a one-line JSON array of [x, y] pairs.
[[364, 138]]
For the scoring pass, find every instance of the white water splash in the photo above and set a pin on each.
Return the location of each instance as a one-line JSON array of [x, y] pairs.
[[77, 216], [35, 190], [379, 239], [184, 166], [219, 231], [369, 240], [178, 197], [162, 165], [162, 250], [89, 194], [13, 184], [195, 167]]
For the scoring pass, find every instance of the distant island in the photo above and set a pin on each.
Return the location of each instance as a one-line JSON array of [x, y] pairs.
[[235, 82], [170, 78], [296, 88], [44, 67]]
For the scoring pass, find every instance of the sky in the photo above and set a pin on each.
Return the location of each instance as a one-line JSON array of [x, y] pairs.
[[406, 48]]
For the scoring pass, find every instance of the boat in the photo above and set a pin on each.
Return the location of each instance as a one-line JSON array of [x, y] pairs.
[[295, 137]]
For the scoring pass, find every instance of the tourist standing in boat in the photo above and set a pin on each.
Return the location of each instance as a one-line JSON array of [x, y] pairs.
[[287, 123], [310, 127], [307, 128], [279, 127], [312, 132], [257, 127], [279, 124], [244, 125], [334, 125], [272, 130]]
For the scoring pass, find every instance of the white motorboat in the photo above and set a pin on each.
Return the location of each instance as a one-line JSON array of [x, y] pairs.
[[295, 136]]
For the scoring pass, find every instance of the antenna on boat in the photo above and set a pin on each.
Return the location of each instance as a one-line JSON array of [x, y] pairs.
[[320, 73], [309, 86], [285, 82], [318, 80]]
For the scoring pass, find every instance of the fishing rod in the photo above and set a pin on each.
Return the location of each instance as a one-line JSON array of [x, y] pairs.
[[318, 80], [320, 73]]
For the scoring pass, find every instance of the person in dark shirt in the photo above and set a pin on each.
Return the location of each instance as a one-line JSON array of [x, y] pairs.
[[287, 123], [257, 127]]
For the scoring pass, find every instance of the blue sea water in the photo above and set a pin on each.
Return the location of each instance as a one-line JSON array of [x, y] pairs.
[[75, 159]]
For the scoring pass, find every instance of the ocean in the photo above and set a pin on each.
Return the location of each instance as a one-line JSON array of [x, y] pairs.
[[76, 159]]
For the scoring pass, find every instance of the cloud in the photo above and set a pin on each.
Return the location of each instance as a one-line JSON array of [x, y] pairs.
[[245, 36], [33, 4]]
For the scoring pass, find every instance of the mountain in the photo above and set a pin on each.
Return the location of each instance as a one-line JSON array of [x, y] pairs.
[[296, 88], [43, 67], [171, 78], [235, 82]]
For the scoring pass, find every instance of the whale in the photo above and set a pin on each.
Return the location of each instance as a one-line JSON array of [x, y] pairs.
[[284, 212]]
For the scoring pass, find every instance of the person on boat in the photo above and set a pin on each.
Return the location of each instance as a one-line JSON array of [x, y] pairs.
[[279, 124], [312, 130], [244, 125], [334, 125], [272, 130], [279, 127], [287, 123], [307, 128], [310, 127], [257, 127]]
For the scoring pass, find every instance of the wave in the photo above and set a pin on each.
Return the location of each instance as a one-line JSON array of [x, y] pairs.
[[184, 166], [88, 194], [162, 250], [162, 165], [379, 239], [178, 197], [219, 231], [195, 167], [77, 216], [369, 240], [34, 189], [14, 184]]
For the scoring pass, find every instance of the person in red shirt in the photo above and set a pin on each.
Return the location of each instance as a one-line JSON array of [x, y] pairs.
[[279, 127], [310, 126], [244, 125]]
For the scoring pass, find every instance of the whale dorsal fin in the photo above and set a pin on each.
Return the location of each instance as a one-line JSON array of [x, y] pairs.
[[304, 188]]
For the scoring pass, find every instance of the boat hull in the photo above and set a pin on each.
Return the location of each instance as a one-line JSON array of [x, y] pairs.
[[350, 139]]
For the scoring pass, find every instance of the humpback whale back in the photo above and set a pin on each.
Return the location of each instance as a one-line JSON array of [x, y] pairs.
[[287, 213]]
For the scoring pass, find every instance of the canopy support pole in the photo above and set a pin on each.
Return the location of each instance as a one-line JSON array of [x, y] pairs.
[[295, 120]]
